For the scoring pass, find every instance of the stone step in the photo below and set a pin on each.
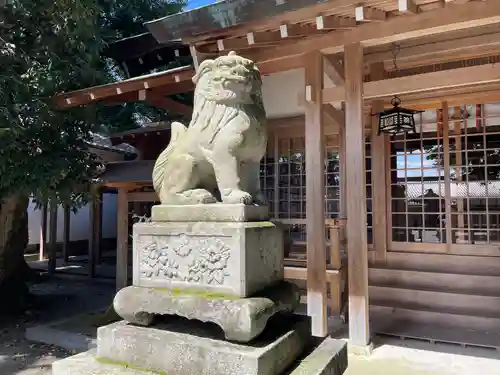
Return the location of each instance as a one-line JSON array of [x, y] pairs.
[[446, 282], [188, 347]]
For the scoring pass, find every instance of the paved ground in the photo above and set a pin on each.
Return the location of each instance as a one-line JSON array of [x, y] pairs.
[[411, 357], [64, 297], [58, 298]]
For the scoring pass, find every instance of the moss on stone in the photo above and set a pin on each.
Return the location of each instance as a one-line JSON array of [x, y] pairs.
[[197, 293], [106, 361]]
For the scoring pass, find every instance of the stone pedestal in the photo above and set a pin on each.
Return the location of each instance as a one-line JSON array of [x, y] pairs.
[[231, 259], [220, 269]]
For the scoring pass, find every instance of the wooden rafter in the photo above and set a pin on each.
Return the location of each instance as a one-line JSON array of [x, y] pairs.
[[97, 93], [165, 83], [451, 18], [368, 14], [167, 103], [407, 6], [440, 51]]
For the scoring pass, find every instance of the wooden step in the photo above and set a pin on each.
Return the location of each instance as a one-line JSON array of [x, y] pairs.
[[463, 264], [404, 329], [466, 304], [446, 282], [434, 317]]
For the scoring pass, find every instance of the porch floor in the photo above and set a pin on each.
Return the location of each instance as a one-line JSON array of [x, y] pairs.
[[433, 333], [410, 357]]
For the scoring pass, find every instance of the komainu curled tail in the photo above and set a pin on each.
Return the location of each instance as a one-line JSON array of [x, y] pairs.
[[178, 130]]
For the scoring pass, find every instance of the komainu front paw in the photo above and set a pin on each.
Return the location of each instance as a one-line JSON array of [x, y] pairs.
[[236, 197], [259, 199], [198, 196]]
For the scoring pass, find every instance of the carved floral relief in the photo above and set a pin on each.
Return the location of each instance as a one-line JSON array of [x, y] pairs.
[[190, 259]]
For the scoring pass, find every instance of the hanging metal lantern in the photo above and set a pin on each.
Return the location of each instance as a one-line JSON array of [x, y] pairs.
[[396, 120]]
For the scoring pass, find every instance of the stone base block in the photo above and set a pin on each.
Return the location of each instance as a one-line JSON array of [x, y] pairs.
[[241, 319], [234, 259], [87, 364], [210, 212], [189, 348]]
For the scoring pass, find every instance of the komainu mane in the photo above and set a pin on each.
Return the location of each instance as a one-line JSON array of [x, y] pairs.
[[217, 157]]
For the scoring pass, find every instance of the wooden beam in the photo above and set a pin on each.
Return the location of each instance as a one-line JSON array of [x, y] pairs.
[[379, 187], [439, 21], [96, 93], [440, 51], [168, 104], [95, 208], [334, 70], [315, 192], [428, 82], [447, 175], [52, 264], [357, 244], [122, 239], [337, 116], [296, 30], [367, 14], [66, 233], [195, 56], [334, 23], [149, 196], [43, 232], [407, 6], [258, 37], [379, 161]]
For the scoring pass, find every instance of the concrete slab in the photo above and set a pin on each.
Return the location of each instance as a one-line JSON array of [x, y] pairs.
[[182, 347], [328, 358]]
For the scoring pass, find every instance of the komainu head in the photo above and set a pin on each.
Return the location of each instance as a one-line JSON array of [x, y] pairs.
[[229, 79]]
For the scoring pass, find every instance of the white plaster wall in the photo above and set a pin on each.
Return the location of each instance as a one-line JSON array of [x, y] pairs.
[[282, 91], [79, 222]]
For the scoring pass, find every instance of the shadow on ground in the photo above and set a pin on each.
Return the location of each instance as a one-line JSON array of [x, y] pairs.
[[56, 298]]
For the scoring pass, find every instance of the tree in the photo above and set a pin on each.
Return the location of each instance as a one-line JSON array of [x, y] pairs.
[[123, 19], [48, 47]]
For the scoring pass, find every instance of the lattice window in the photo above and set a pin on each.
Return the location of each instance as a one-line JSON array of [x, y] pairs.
[[417, 184], [475, 176]]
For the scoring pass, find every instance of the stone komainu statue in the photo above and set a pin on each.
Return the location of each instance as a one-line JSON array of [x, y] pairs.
[[217, 157]]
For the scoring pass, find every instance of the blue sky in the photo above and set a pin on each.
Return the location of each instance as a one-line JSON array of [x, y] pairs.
[[197, 3]]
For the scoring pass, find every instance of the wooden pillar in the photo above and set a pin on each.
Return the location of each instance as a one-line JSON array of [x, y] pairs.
[[315, 195], [458, 173], [43, 232], [67, 231], [122, 240], [52, 264], [359, 331], [342, 169], [379, 155], [447, 175], [94, 231]]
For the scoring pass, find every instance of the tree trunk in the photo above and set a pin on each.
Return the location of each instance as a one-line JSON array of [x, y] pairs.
[[14, 271]]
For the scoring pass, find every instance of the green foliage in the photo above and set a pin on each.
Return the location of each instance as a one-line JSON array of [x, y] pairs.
[[48, 47]]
